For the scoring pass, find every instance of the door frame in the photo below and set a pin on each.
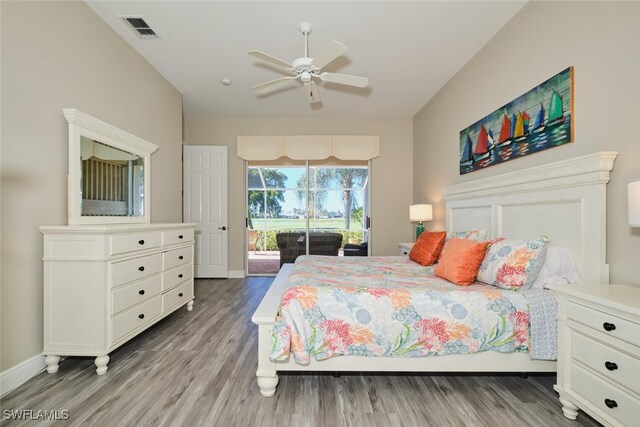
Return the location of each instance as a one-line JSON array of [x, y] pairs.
[[246, 212]]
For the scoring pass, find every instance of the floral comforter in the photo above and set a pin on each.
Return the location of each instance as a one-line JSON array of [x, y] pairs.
[[391, 306]]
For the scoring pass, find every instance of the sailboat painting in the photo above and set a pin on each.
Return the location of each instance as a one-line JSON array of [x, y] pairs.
[[539, 119]]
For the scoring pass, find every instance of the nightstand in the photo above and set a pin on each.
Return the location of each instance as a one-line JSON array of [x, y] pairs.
[[405, 248], [599, 352]]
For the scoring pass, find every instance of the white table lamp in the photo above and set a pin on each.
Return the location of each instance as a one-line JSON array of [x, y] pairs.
[[420, 213], [634, 203]]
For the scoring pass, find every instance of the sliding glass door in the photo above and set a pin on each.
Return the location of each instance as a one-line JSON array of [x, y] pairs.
[[315, 209]]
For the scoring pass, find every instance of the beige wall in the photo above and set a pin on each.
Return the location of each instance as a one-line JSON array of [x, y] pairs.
[[391, 172], [55, 55], [602, 42]]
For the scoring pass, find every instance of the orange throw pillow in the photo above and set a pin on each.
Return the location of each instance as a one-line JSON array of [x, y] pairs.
[[461, 262], [427, 248]]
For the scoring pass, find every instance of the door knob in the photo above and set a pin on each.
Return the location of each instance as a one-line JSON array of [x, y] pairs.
[[223, 228]]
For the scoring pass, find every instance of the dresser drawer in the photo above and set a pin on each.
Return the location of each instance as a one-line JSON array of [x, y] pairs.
[[608, 361], [605, 323], [178, 295], [130, 295], [596, 390], [135, 317], [172, 237], [172, 277], [176, 257], [123, 243], [135, 269]]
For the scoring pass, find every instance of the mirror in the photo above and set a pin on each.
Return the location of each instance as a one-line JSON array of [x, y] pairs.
[[112, 180], [109, 173]]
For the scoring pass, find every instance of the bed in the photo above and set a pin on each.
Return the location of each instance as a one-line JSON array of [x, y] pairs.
[[564, 200]]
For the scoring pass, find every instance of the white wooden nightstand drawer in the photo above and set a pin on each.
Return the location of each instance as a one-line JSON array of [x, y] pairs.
[[176, 275], [123, 243], [135, 269], [176, 257], [608, 399], [605, 323], [177, 295], [136, 317], [130, 295], [173, 237], [606, 360]]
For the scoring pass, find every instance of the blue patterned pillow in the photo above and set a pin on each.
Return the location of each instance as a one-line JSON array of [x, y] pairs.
[[513, 264]]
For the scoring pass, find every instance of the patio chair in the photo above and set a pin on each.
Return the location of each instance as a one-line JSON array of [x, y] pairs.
[[252, 240], [293, 244]]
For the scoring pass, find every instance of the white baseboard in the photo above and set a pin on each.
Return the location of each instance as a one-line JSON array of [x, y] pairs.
[[19, 374], [236, 274]]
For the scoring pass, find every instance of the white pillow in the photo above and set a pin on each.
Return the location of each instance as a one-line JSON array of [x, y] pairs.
[[558, 268]]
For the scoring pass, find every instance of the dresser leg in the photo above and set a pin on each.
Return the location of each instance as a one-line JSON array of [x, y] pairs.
[[52, 363], [101, 363], [569, 409], [190, 305]]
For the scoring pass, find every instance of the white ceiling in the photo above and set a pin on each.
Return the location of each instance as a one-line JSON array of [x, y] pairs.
[[409, 50]]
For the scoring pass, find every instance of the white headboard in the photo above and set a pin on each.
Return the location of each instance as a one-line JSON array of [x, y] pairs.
[[564, 200]]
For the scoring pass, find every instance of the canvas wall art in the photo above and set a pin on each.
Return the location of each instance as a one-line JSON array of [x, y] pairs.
[[541, 118]]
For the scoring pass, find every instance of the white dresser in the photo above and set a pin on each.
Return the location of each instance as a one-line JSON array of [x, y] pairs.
[[405, 248], [599, 352], [104, 284]]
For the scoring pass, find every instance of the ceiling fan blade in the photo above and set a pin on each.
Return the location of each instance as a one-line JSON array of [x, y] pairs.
[[273, 85], [345, 79], [331, 52], [312, 92], [279, 62]]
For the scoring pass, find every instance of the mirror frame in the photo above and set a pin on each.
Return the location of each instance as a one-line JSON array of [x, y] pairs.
[[82, 124]]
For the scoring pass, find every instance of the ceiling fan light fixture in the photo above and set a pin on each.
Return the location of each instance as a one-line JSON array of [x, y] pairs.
[[306, 69], [305, 77]]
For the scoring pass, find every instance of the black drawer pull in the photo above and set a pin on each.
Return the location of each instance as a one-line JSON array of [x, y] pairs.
[[180, 236], [180, 257], [611, 403], [141, 292], [141, 268], [612, 366], [609, 326], [141, 242], [141, 316], [180, 294], [180, 275]]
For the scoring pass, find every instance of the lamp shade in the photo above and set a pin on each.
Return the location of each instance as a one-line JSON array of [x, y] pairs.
[[634, 203], [421, 212]]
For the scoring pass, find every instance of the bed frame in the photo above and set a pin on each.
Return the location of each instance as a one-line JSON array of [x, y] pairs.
[[565, 200]]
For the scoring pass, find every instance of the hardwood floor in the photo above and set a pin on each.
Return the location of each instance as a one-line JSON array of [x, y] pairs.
[[198, 368]]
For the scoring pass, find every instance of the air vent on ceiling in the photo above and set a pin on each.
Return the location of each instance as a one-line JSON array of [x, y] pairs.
[[140, 26]]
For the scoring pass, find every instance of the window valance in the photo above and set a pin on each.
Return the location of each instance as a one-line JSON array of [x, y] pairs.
[[309, 147]]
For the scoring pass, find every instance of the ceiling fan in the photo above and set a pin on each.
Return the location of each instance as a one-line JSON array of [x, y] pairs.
[[307, 69]]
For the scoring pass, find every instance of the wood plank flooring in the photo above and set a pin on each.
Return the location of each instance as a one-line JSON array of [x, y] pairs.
[[198, 368]]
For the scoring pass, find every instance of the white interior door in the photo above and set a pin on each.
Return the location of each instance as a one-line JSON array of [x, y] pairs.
[[205, 203]]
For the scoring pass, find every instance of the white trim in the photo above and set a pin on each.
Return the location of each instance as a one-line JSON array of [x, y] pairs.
[[19, 374], [121, 139], [584, 170], [235, 274]]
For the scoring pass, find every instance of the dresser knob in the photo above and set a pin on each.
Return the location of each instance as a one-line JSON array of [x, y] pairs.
[[611, 403], [610, 366], [141, 292], [180, 294], [141, 242], [180, 275], [141, 316], [141, 268], [609, 326], [180, 257], [180, 236]]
